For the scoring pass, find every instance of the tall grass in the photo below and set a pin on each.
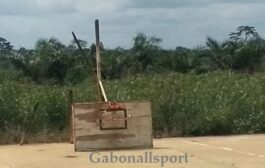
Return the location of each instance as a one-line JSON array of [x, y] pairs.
[[190, 104], [182, 104]]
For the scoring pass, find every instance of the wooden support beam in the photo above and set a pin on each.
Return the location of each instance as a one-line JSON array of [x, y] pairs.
[[70, 115], [98, 50], [102, 91]]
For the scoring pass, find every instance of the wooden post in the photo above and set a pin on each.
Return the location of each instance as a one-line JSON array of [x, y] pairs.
[[98, 72], [101, 90], [97, 50], [70, 113]]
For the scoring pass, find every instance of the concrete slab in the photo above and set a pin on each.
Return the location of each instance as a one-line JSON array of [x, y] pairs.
[[203, 152]]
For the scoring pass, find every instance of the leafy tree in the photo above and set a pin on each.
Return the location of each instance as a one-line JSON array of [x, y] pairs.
[[248, 49], [248, 56], [53, 62], [144, 49], [93, 48], [77, 62], [185, 60], [5, 46], [73, 44], [179, 60], [115, 63], [6, 50], [47, 62]]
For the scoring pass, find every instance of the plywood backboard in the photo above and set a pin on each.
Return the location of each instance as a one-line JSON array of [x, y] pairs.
[[96, 129]]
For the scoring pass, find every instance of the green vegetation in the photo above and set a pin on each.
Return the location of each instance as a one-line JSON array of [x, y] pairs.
[[215, 89], [182, 104]]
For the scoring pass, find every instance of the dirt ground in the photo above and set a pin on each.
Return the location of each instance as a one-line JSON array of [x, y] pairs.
[[246, 151]]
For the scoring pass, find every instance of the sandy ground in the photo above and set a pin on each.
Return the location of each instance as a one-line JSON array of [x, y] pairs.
[[203, 152]]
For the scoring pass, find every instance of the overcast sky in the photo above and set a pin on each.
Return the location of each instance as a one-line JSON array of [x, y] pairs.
[[177, 22]]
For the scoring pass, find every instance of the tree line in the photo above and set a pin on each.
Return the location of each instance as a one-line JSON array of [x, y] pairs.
[[53, 62]]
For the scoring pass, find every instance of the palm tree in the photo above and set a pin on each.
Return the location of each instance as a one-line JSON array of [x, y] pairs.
[[219, 53], [244, 33]]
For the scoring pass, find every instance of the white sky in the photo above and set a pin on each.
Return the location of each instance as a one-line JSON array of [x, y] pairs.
[[177, 22]]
